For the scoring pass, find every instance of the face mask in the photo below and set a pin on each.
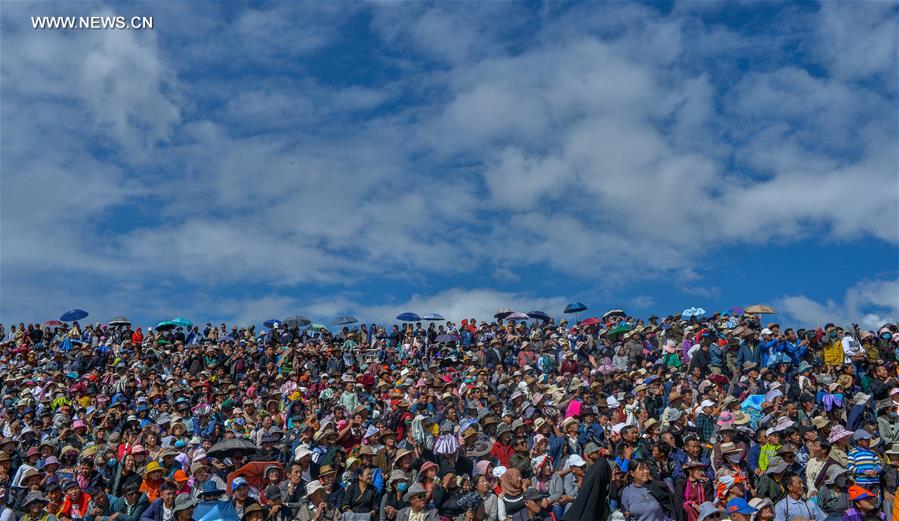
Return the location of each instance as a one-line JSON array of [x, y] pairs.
[[402, 487]]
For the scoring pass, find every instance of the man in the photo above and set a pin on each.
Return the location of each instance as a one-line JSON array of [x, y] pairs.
[[74, 506], [241, 499], [692, 451], [795, 507], [183, 508], [315, 507], [705, 422], [864, 464], [162, 508], [276, 509], [533, 507], [417, 509], [132, 504]]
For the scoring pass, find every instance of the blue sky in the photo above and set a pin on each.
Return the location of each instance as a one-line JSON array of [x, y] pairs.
[[246, 161]]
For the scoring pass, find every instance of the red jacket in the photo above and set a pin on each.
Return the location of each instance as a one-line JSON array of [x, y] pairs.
[[502, 452]]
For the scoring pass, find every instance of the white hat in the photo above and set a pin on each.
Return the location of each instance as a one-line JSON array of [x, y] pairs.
[[617, 427], [301, 452], [499, 471], [707, 403], [766, 331], [313, 486], [575, 461]]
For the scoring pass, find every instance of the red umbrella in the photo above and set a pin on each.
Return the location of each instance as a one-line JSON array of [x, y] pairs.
[[592, 321], [53, 323], [254, 472]]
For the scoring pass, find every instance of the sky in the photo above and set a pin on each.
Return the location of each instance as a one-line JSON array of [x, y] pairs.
[[247, 161]]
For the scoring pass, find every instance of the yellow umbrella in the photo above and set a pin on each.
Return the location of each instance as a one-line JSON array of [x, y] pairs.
[[760, 309]]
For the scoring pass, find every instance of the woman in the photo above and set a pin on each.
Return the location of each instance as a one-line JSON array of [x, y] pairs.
[[488, 498], [511, 498], [393, 502], [693, 491], [642, 500], [427, 476], [129, 474], [361, 497], [151, 443]]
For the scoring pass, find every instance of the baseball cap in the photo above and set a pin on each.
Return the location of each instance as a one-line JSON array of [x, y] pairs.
[[857, 493], [238, 482], [739, 505]]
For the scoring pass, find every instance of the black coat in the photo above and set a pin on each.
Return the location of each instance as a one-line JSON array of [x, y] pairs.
[[593, 500]]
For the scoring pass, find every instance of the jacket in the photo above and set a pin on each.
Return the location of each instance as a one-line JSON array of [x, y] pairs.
[[154, 513], [403, 515], [130, 513]]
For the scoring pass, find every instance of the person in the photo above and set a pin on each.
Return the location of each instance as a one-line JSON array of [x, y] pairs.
[[315, 506], [864, 506], [795, 507], [153, 479], [417, 510], [162, 508], [833, 497], [533, 507], [100, 506], [488, 498], [764, 509], [241, 499], [74, 506], [642, 500], [693, 491], [34, 507], [183, 508], [130, 506], [738, 509], [253, 512], [360, 496]]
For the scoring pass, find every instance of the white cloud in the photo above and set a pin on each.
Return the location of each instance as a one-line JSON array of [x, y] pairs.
[[643, 301], [869, 303]]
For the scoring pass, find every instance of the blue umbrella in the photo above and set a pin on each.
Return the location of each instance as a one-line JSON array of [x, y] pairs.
[[408, 317], [215, 511], [575, 307], [296, 321], [271, 323], [73, 315], [448, 338], [344, 320], [183, 322], [539, 315], [433, 316]]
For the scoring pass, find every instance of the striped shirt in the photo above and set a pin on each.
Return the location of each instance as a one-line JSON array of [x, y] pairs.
[[860, 462]]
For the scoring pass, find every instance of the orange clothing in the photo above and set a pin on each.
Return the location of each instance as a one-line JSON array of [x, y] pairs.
[[151, 488]]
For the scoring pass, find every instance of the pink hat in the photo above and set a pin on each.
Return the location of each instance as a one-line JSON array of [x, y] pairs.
[[837, 433], [138, 449], [726, 418], [427, 465], [78, 424]]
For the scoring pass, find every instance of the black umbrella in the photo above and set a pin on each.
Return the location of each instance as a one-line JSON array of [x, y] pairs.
[[504, 312], [120, 321], [615, 313], [228, 448], [296, 321], [539, 315]]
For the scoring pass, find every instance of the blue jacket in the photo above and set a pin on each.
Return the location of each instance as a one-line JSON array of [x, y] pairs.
[[748, 353], [154, 513]]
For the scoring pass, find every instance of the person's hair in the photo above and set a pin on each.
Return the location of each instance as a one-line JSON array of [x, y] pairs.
[[788, 478], [663, 447], [167, 485], [636, 464]]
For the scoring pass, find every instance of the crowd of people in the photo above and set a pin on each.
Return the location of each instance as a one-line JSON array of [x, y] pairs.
[[674, 418]]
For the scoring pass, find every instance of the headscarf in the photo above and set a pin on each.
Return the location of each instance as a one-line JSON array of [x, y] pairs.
[[510, 482]]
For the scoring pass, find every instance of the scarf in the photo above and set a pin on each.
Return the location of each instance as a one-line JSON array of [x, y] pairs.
[[510, 482]]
